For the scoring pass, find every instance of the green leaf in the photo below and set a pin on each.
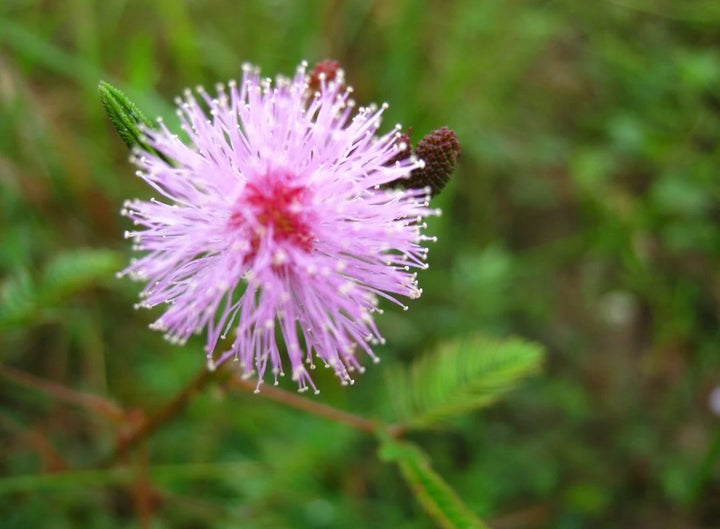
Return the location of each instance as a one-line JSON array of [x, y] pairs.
[[460, 376], [25, 300], [76, 270], [126, 117], [18, 299], [438, 499]]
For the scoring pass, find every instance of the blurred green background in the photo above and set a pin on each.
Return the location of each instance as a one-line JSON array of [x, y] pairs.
[[584, 214]]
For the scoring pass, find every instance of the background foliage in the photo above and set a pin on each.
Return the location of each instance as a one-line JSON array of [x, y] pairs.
[[584, 215]]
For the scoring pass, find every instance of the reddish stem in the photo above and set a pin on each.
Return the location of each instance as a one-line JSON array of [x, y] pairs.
[[144, 426], [86, 400], [301, 403]]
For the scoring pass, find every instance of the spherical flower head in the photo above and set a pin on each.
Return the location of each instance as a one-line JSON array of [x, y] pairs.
[[272, 221]]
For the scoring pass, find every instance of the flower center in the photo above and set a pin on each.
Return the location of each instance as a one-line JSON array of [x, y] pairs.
[[279, 209]]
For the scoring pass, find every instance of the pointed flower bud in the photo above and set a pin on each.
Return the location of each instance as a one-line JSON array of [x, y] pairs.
[[125, 116]]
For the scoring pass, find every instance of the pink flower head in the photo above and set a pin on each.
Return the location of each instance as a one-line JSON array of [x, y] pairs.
[[272, 221]]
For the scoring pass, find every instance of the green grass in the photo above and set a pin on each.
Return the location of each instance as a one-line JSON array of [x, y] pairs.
[[583, 215]]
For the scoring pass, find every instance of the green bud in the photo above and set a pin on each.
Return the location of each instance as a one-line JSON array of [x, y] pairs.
[[125, 116]]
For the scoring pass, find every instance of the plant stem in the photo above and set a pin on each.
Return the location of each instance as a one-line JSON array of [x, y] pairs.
[[97, 404], [35, 439], [295, 401], [146, 426]]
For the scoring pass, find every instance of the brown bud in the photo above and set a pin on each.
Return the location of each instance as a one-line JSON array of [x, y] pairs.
[[439, 150], [327, 67], [402, 139]]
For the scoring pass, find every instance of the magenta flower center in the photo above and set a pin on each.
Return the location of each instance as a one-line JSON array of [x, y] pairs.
[[279, 209]]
